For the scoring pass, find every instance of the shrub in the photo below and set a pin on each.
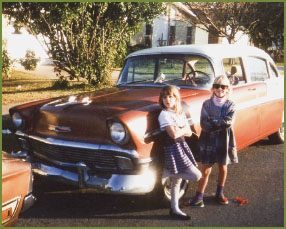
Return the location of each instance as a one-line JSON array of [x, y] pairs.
[[62, 83], [7, 63], [30, 61]]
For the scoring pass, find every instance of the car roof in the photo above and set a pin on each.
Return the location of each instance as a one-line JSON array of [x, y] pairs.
[[210, 50]]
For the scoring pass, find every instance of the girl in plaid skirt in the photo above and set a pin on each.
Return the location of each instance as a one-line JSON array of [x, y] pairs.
[[217, 142], [179, 160]]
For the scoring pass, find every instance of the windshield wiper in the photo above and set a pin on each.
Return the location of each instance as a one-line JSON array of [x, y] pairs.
[[137, 81]]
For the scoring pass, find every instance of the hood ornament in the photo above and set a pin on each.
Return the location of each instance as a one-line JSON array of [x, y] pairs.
[[59, 129]]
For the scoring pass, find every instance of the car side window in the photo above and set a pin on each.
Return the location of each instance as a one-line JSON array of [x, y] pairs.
[[257, 69], [234, 71], [272, 71]]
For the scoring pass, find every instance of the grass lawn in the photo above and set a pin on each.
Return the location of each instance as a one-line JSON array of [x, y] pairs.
[[23, 87]]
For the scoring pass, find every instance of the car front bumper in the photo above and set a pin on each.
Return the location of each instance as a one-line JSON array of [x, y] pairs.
[[79, 174], [141, 183], [28, 202], [116, 183]]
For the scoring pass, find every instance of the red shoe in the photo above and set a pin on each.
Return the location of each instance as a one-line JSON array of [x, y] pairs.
[[222, 200]]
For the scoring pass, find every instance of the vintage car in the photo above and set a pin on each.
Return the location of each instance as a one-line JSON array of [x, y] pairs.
[[17, 184], [111, 142]]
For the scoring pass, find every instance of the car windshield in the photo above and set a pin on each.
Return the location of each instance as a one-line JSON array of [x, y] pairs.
[[179, 70]]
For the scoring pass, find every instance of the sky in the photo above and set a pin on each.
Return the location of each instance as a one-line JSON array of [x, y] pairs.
[[18, 44]]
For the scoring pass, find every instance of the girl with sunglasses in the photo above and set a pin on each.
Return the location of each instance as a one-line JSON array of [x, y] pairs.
[[217, 142], [179, 160]]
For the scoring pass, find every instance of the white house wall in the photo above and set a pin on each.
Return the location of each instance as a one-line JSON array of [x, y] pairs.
[[160, 30], [200, 36]]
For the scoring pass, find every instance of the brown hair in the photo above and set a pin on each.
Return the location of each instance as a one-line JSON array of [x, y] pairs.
[[171, 90]]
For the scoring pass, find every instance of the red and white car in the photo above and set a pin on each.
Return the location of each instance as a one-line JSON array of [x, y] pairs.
[[111, 142], [17, 185]]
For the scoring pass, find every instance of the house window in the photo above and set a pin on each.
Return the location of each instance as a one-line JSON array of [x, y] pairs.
[[148, 36], [148, 29], [189, 35], [172, 35]]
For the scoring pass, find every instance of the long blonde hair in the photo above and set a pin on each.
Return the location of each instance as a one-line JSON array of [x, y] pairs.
[[222, 80], [171, 90]]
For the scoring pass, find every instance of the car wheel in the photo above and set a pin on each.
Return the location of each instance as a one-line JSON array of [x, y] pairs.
[[278, 137], [163, 189]]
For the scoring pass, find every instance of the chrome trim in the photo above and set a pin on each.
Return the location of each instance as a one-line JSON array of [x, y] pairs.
[[117, 183], [12, 204], [60, 129], [145, 160], [20, 154], [59, 163], [28, 202], [82, 145], [152, 133]]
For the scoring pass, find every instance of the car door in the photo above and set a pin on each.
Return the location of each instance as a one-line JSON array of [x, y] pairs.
[[245, 94], [270, 113], [272, 108]]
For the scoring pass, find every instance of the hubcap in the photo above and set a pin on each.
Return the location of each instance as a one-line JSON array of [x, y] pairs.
[[281, 130], [168, 186]]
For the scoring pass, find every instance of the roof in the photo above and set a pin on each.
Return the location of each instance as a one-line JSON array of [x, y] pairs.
[[210, 50]]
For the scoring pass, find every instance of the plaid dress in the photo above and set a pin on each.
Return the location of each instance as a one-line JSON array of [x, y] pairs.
[[178, 156], [217, 142]]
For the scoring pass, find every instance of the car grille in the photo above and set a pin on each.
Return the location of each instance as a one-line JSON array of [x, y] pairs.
[[95, 159]]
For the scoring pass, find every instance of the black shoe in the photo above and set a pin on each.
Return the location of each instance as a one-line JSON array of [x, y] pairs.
[[178, 216]]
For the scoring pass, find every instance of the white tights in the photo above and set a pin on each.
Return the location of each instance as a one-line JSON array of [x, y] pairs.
[[192, 173]]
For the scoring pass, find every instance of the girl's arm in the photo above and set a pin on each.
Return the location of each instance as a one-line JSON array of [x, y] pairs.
[[176, 132], [205, 121], [227, 120]]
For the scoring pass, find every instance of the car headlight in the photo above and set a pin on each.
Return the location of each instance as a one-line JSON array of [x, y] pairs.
[[17, 120], [118, 133]]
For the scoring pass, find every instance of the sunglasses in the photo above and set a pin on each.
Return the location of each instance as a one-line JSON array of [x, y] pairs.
[[217, 86]]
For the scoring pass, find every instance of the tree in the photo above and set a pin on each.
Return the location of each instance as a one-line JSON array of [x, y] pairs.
[[265, 23], [221, 19], [7, 63], [83, 38], [262, 21], [30, 61]]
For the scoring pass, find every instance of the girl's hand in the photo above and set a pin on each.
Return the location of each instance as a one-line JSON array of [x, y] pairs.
[[176, 132]]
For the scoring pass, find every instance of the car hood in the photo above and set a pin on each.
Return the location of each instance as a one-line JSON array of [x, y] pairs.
[[85, 116]]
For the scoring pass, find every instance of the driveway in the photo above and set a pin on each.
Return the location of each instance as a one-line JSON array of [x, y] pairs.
[[258, 177]]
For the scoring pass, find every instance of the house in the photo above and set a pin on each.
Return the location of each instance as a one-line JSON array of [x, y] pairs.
[[175, 28], [171, 29]]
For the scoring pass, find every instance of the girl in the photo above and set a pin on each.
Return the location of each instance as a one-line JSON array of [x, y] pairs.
[[217, 143], [179, 161]]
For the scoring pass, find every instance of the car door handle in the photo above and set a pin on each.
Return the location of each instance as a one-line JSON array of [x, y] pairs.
[[252, 89]]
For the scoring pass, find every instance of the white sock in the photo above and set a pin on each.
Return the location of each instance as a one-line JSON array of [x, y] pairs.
[[175, 191]]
